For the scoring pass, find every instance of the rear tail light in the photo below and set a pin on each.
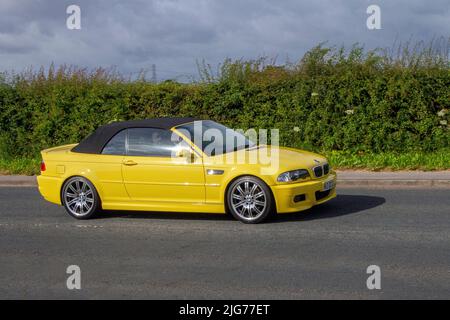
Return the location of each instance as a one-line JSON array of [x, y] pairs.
[[43, 168]]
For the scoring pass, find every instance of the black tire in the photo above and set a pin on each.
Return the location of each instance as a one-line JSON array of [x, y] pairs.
[[82, 202], [245, 203]]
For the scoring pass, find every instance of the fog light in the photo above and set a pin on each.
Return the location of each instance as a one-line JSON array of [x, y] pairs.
[[299, 197]]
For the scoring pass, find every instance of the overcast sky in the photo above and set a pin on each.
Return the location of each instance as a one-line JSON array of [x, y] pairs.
[[173, 34]]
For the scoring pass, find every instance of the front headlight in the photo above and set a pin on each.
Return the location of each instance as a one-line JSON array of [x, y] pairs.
[[293, 175]]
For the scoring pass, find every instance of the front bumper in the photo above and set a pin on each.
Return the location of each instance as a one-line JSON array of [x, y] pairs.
[[308, 194]]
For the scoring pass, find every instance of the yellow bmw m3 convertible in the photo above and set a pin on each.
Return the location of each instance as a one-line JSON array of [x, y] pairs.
[[182, 165]]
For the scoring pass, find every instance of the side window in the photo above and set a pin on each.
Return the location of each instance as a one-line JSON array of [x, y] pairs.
[[116, 146], [150, 142]]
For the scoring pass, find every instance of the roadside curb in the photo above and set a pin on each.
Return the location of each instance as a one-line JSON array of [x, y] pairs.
[[393, 183], [361, 178], [18, 181], [345, 180]]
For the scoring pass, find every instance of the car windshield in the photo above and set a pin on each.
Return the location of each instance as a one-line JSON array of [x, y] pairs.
[[213, 138]]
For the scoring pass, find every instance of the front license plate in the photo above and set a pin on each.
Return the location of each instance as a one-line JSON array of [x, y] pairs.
[[328, 185]]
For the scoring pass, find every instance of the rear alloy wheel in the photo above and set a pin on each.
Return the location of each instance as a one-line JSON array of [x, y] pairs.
[[80, 198], [249, 200]]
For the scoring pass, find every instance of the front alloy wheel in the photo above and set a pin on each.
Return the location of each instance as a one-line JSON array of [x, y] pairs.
[[249, 200], [80, 198]]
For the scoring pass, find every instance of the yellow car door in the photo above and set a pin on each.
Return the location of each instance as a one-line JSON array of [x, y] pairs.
[[153, 172], [108, 169]]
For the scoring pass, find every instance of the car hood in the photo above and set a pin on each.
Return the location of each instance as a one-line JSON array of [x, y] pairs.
[[280, 158], [290, 158]]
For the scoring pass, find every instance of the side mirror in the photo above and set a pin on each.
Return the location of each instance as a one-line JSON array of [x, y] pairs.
[[185, 153], [182, 153]]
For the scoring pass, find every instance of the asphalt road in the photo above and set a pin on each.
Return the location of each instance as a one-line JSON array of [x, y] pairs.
[[320, 253]]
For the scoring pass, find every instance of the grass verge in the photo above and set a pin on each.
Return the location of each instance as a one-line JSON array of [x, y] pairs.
[[338, 159], [391, 161], [25, 166]]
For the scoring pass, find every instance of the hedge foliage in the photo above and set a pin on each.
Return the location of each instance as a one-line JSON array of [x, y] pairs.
[[336, 99]]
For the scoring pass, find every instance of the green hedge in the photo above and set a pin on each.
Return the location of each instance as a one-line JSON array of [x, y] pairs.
[[353, 101]]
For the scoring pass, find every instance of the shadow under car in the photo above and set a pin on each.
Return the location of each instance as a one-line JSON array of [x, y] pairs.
[[340, 206]]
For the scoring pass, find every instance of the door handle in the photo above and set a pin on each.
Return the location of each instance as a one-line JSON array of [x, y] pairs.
[[129, 163]]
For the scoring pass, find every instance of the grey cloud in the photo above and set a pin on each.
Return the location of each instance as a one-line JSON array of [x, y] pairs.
[[133, 35], [16, 48]]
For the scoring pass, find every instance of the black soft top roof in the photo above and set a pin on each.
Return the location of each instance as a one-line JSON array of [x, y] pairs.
[[95, 142]]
